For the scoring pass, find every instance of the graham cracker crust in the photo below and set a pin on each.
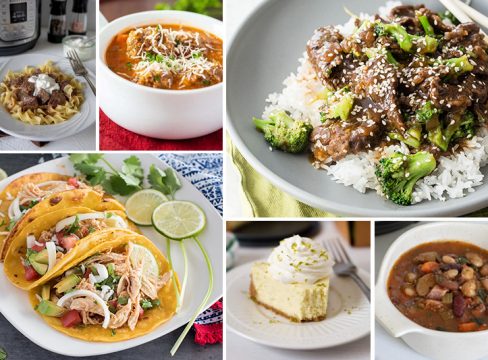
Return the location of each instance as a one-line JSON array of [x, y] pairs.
[[252, 294]]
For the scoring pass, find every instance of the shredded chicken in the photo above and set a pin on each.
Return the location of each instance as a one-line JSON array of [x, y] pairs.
[[86, 304], [121, 316], [45, 236], [31, 192], [151, 285], [135, 313]]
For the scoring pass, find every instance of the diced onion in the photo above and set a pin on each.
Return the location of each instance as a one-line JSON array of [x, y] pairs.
[[118, 221], [39, 297], [38, 243], [98, 299], [51, 254], [102, 274], [68, 221], [106, 292], [9, 196], [31, 240]]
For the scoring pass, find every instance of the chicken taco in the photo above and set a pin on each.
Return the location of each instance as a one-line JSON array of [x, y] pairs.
[[30, 196], [49, 242], [119, 289]]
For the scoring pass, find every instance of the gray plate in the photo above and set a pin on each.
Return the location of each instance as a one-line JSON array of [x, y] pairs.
[[262, 54]]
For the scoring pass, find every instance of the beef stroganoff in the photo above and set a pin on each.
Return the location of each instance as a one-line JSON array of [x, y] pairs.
[[41, 95]]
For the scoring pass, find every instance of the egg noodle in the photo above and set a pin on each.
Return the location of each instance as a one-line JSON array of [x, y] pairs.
[[43, 115]]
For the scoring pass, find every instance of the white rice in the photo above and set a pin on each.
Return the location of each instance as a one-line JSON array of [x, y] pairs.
[[455, 175]]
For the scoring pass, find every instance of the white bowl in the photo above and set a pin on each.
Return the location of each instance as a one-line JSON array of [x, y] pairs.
[[159, 113], [431, 343]]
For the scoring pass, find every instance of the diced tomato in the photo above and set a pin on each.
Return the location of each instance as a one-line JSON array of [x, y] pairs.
[[87, 273], [38, 247], [71, 318], [68, 241], [30, 273], [141, 313], [73, 182]]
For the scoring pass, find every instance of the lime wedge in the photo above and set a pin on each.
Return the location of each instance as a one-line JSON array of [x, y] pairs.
[[178, 219], [140, 206], [3, 174], [139, 255]]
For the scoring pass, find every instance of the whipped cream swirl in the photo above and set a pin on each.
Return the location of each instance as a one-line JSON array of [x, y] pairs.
[[299, 260]]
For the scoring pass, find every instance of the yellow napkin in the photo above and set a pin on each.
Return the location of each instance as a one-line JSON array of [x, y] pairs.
[[266, 200]]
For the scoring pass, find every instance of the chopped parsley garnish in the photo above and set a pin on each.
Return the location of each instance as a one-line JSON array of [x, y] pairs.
[[129, 65]]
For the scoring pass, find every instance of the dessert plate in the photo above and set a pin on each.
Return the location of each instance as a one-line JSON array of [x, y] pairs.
[[348, 316]]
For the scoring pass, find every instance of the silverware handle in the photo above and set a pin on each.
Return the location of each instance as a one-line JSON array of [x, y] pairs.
[[91, 84], [362, 285]]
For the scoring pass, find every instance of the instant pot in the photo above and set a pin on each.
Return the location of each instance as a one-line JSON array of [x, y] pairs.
[[20, 25]]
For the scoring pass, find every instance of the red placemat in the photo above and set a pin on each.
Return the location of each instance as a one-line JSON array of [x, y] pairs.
[[114, 137]]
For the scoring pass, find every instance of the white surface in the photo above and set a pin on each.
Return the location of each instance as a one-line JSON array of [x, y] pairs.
[[236, 11], [16, 308], [159, 113], [239, 348], [52, 132], [389, 347], [85, 140]]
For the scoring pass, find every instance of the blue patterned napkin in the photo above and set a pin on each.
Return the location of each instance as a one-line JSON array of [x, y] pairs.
[[203, 170]]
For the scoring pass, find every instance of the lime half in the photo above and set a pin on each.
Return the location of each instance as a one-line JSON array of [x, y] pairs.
[[178, 219], [3, 174], [140, 206], [141, 255]]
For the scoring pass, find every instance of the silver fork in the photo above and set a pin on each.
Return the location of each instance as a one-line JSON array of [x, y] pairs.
[[80, 69], [344, 266]]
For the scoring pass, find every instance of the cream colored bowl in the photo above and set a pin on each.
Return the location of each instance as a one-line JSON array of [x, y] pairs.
[[431, 343], [159, 113]]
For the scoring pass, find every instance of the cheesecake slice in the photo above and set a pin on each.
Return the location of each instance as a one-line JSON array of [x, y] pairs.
[[295, 281], [299, 302]]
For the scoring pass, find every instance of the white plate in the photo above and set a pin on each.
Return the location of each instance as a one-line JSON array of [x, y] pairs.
[[74, 125], [15, 306], [348, 316]]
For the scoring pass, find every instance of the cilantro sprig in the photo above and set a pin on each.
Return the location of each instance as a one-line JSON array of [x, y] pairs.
[[165, 181], [128, 179]]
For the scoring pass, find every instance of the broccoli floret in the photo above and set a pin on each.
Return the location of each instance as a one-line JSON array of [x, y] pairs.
[[448, 15], [284, 133], [427, 44], [461, 126], [373, 52], [428, 115], [400, 34], [426, 112], [424, 21], [459, 65], [398, 174], [339, 105], [412, 137], [407, 42], [467, 127]]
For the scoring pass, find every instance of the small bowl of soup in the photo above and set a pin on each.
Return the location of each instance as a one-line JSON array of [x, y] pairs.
[[161, 73], [432, 290]]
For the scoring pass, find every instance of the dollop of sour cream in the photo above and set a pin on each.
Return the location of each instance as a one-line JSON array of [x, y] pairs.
[[43, 82], [299, 260]]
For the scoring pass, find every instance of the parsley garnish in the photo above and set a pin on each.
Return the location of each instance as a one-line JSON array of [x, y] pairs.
[[204, 7], [129, 65]]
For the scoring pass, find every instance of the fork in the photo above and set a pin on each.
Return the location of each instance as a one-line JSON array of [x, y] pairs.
[[79, 68], [344, 266]]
